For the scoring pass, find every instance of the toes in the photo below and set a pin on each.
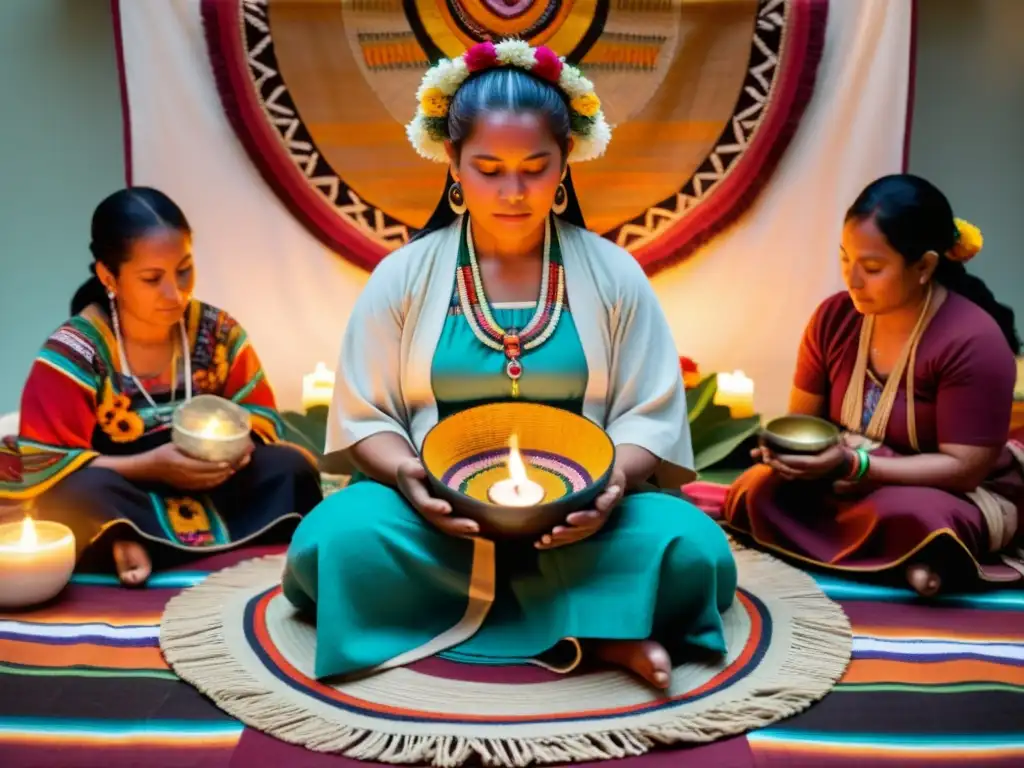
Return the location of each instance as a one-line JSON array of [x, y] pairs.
[[923, 580], [132, 563]]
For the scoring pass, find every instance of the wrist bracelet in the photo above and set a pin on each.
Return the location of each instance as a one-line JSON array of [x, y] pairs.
[[865, 463], [855, 464]]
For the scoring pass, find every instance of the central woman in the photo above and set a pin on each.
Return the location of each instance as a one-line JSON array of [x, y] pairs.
[[505, 295]]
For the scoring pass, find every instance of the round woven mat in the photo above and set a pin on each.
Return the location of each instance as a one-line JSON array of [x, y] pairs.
[[236, 639]]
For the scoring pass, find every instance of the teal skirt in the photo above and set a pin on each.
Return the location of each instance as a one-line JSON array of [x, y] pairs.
[[387, 588]]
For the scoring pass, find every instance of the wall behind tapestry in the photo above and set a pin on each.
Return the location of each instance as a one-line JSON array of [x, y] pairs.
[[61, 151], [739, 302], [969, 109]]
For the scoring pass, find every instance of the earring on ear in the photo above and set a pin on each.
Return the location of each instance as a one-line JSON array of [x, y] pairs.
[[561, 202], [456, 201]]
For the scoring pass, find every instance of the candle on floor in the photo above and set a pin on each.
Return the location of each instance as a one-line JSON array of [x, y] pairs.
[[36, 560], [317, 387], [736, 392], [517, 490]]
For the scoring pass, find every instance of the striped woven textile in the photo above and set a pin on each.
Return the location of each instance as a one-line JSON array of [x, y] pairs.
[[83, 684]]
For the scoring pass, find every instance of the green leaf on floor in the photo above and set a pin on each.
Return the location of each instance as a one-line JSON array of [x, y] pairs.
[[701, 396], [721, 439], [307, 429]]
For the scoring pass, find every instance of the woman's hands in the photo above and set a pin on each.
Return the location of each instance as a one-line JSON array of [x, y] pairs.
[[169, 466], [411, 480], [582, 525], [791, 467]]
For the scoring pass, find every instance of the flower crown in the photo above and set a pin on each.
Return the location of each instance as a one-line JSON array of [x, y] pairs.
[[968, 241], [429, 129]]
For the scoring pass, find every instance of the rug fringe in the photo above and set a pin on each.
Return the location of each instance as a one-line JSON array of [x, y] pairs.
[[193, 642]]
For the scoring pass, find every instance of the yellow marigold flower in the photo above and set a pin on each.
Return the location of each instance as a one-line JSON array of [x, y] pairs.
[[126, 427], [434, 103], [968, 243], [587, 105]]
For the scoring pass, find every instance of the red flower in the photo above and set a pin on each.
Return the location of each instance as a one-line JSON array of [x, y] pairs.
[[481, 56], [691, 373], [548, 66]]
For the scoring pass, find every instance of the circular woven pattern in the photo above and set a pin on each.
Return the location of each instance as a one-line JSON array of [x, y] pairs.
[[703, 98], [239, 641], [559, 476]]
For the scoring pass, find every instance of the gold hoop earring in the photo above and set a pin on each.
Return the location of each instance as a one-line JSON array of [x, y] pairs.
[[456, 200], [561, 202]]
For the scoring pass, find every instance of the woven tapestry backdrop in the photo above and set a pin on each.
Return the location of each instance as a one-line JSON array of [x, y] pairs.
[[704, 97], [256, 259]]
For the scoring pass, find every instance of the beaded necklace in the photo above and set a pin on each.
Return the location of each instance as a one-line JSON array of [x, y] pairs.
[[477, 311]]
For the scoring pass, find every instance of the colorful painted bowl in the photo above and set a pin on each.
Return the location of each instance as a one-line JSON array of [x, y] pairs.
[[799, 434], [211, 428], [567, 455]]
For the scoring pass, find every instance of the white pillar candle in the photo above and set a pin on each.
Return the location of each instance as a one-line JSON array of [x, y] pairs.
[[317, 387], [36, 561], [736, 392]]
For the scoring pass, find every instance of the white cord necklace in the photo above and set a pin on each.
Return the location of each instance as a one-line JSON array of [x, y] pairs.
[[127, 369]]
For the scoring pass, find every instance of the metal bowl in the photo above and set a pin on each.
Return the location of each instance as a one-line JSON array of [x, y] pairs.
[[211, 428], [568, 455], [799, 434]]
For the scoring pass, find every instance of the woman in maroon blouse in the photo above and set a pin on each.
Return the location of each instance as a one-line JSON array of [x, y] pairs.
[[915, 361]]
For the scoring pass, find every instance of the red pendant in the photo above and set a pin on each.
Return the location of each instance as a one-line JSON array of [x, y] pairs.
[[514, 369]]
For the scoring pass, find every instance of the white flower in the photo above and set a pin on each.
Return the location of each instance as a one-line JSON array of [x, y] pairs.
[[425, 145], [592, 144], [573, 83], [447, 75], [516, 53]]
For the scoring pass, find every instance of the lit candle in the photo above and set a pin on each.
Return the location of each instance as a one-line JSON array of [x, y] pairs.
[[317, 387], [217, 428], [736, 392], [517, 490], [36, 561]]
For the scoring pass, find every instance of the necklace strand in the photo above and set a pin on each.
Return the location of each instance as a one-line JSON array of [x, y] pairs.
[[127, 369], [483, 325]]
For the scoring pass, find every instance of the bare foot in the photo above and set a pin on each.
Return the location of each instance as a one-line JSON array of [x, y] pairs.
[[925, 581], [645, 658], [132, 562]]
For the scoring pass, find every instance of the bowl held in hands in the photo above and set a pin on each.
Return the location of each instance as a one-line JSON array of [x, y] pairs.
[[799, 434], [471, 462], [211, 428]]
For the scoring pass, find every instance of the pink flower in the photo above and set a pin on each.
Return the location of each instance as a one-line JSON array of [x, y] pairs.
[[481, 56], [548, 66]]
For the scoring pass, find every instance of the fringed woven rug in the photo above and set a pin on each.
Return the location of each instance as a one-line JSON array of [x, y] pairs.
[[236, 639]]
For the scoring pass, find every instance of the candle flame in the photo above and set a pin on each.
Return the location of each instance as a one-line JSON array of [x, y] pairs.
[[29, 537], [210, 427], [516, 468]]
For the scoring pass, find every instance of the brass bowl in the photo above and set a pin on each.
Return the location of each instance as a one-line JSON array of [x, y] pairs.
[[799, 434], [569, 456], [191, 429]]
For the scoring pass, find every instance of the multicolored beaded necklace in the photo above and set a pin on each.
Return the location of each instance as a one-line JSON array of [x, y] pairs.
[[512, 341]]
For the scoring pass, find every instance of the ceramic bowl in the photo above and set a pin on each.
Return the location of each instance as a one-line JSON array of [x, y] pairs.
[[568, 455]]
